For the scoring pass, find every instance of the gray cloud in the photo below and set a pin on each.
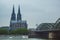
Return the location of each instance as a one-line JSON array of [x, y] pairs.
[[34, 11]]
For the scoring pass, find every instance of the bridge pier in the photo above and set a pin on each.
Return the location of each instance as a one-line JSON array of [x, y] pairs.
[[54, 34]]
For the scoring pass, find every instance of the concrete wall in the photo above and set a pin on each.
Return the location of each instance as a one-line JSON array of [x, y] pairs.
[[52, 34], [55, 34], [38, 35]]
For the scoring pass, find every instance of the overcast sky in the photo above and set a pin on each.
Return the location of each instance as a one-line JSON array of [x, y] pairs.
[[34, 11]]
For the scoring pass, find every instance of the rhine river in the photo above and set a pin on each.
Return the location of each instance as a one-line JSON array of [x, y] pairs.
[[4, 37]]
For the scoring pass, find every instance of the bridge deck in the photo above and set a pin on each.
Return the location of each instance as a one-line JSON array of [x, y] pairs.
[[47, 30]]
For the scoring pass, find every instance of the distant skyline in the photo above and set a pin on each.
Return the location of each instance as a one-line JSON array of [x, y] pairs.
[[34, 11]]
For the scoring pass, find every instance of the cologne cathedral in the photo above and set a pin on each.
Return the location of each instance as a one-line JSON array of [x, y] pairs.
[[16, 21]]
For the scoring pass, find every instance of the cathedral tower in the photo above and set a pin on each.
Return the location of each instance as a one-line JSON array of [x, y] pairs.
[[13, 19], [19, 14], [13, 16]]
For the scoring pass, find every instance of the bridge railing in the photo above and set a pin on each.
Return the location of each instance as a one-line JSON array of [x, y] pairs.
[[45, 30]]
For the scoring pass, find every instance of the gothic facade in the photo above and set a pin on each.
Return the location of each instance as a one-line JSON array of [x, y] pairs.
[[17, 22]]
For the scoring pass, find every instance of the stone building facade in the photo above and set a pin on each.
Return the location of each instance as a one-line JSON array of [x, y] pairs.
[[17, 22]]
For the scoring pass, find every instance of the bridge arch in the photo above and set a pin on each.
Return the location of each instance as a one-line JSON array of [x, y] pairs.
[[57, 24], [45, 26]]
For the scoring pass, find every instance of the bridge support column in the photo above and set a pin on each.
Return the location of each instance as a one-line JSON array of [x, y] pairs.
[[52, 35]]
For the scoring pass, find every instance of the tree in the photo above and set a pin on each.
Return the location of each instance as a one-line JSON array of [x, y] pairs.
[[19, 31], [3, 31]]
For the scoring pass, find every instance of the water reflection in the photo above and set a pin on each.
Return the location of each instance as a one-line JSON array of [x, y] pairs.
[[21, 38], [54, 39], [25, 39]]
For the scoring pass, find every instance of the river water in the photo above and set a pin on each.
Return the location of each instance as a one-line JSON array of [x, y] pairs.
[[4, 37]]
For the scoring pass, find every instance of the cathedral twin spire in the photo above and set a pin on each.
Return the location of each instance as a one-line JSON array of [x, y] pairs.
[[19, 14], [13, 16]]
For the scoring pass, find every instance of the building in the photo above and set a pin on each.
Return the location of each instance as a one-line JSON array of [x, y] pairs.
[[17, 22]]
